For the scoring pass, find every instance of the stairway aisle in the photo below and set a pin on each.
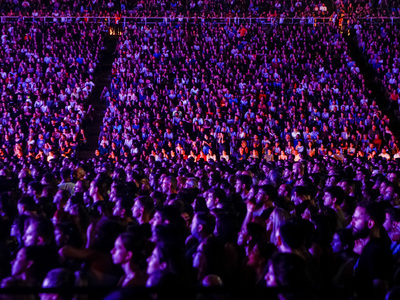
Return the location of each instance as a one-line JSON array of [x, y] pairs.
[[372, 83], [102, 79]]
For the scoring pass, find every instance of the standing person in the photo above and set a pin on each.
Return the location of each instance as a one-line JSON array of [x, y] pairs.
[[374, 267]]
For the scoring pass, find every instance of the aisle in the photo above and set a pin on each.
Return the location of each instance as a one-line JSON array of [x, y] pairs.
[[102, 79]]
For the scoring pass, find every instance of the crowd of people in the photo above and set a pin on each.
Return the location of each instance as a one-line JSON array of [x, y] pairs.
[[46, 77], [200, 8], [382, 55], [239, 92], [231, 154]]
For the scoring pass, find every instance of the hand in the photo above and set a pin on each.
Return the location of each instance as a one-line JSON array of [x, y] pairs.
[[250, 205]]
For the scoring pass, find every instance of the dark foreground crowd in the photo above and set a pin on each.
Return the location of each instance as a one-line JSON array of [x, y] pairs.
[[313, 223]]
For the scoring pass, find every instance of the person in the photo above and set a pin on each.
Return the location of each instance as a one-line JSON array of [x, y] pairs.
[[288, 270], [372, 272], [243, 184], [392, 218], [165, 265], [275, 221], [128, 252], [142, 209], [66, 183], [101, 236], [169, 186], [292, 238], [39, 231], [98, 190], [333, 198], [207, 259], [16, 282], [32, 264], [344, 257], [58, 278]]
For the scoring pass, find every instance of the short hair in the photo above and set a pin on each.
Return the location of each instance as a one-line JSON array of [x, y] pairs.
[[346, 237], [61, 278], [192, 182], [218, 193], [336, 192], [246, 180], [375, 210], [293, 233], [36, 186], [44, 259], [172, 180], [172, 214], [102, 185], [269, 190], [43, 227], [394, 213], [302, 192], [65, 173], [146, 202], [290, 271], [207, 220], [28, 202], [136, 244]]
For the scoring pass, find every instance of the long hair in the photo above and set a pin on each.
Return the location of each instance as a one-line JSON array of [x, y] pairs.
[[278, 217]]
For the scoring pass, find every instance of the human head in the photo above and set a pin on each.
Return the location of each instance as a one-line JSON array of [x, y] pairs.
[[368, 217], [128, 249], [333, 195], [38, 231], [58, 278], [203, 225]]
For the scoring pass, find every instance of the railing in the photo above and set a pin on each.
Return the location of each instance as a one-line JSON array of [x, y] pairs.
[[374, 20], [124, 21], [166, 20]]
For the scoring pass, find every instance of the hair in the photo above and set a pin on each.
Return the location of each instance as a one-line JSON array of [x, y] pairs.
[[246, 180], [290, 271], [302, 192], [173, 181], [212, 252], [61, 278], [36, 186], [218, 193], [126, 205], [394, 213], [72, 231], [207, 220], [346, 237], [270, 191], [200, 205], [65, 174], [43, 227], [226, 226], [120, 175], [102, 185], [49, 178], [43, 260], [135, 243], [336, 192], [375, 210], [147, 203], [279, 217], [171, 253], [107, 229], [28, 202], [121, 188], [16, 282], [293, 233]]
